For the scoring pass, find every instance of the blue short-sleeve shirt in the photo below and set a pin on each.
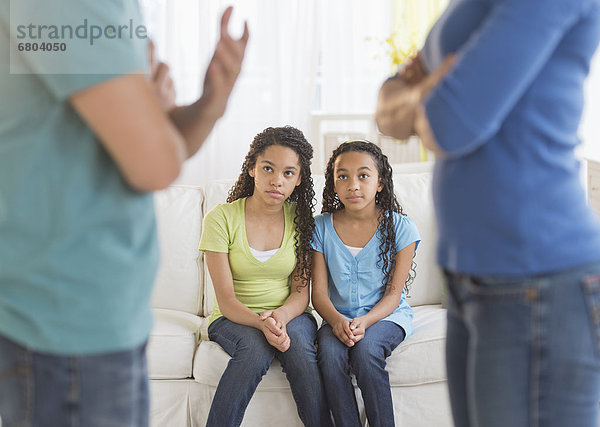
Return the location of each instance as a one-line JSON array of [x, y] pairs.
[[355, 283]]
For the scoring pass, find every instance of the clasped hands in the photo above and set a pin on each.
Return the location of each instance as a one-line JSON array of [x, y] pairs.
[[273, 327], [350, 332]]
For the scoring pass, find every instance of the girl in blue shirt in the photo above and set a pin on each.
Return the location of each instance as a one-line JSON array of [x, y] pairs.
[[362, 259]]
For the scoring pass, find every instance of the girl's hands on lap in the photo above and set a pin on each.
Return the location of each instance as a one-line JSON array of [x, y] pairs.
[[278, 315], [341, 329], [275, 321], [275, 334], [358, 326]]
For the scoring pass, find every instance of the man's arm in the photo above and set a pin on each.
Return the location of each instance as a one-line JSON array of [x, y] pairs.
[[196, 121], [127, 117], [148, 145]]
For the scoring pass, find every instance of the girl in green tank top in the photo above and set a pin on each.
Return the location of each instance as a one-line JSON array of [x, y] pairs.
[[258, 253]]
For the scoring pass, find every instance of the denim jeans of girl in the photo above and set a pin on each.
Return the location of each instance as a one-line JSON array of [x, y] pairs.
[[251, 357], [366, 360], [525, 352], [39, 390]]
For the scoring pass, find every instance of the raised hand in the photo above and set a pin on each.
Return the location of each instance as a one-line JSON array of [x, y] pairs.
[[224, 68]]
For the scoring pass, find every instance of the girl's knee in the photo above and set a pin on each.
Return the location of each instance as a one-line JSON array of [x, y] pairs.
[[254, 361], [365, 353], [304, 324], [303, 333], [254, 347], [301, 338], [330, 356]]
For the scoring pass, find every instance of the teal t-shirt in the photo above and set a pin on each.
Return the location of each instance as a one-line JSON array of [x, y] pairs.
[[78, 247]]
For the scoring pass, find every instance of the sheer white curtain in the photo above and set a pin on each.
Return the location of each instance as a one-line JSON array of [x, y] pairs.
[[353, 62], [275, 88], [303, 55]]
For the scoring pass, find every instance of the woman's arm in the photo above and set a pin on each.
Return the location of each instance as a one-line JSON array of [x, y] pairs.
[[466, 109], [397, 100], [322, 303], [393, 293], [402, 95], [220, 273]]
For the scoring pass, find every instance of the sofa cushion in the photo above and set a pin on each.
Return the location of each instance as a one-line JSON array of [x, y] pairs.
[[414, 195], [418, 360], [421, 358], [178, 284], [172, 342], [211, 360]]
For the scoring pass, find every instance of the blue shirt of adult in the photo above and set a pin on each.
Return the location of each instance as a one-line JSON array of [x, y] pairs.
[[508, 195], [356, 283]]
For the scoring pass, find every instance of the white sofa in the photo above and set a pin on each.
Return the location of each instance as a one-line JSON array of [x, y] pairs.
[[185, 367]]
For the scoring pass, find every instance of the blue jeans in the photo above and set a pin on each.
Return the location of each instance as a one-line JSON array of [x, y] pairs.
[[366, 359], [251, 356], [525, 352], [39, 389]]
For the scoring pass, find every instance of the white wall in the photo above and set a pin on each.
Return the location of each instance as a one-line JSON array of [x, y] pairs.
[[589, 130]]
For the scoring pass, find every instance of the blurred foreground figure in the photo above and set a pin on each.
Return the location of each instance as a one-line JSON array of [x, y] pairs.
[[497, 93], [85, 137]]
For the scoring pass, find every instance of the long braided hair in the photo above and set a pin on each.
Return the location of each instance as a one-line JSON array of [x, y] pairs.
[[303, 195], [385, 200]]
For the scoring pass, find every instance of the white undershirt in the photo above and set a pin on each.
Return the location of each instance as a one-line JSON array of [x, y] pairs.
[[353, 250], [263, 256]]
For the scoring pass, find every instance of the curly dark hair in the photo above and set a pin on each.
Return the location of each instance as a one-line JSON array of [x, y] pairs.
[[385, 200], [303, 195]]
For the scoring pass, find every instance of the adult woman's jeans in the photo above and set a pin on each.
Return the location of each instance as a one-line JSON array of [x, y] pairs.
[[366, 359], [38, 389], [251, 356], [525, 352]]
